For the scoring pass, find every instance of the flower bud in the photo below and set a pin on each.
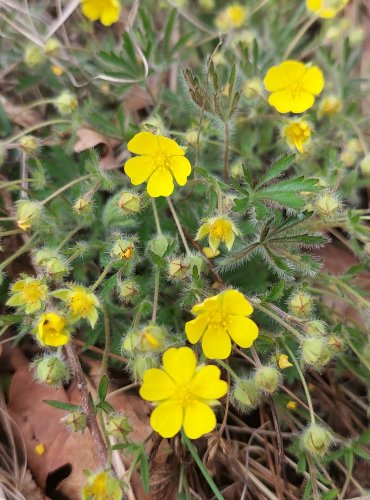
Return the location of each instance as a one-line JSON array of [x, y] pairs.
[[191, 137], [365, 165], [56, 70], [236, 170], [29, 144], [33, 56], [52, 47], [28, 214], [207, 5], [75, 421], [140, 363], [51, 370], [178, 268], [82, 206], [267, 379], [245, 394], [348, 158], [336, 343], [123, 249], [51, 262], [330, 105], [317, 440], [158, 245], [253, 88], [151, 338], [327, 205], [315, 351], [128, 290], [354, 145], [316, 327], [356, 35], [118, 426], [301, 305], [129, 203], [66, 103]]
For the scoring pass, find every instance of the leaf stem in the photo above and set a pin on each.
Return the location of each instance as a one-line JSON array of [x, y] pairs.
[[178, 225]]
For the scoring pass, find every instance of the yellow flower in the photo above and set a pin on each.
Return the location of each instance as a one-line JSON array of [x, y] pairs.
[[218, 229], [81, 302], [292, 405], [284, 361], [326, 8], [52, 330], [184, 393], [220, 319], [231, 17], [39, 449], [297, 133], [107, 11], [102, 486], [28, 294], [293, 86], [330, 105], [161, 160], [57, 70]]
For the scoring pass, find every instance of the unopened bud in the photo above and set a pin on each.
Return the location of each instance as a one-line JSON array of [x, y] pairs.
[[317, 440], [336, 343], [151, 338], [253, 88], [207, 5], [28, 214], [365, 165], [129, 203], [267, 379], [128, 290], [327, 205], [245, 394], [178, 268], [51, 262], [356, 35], [75, 421], [140, 363], [301, 305], [315, 351], [348, 158], [158, 245], [66, 103], [316, 327], [102, 486], [51, 370], [29, 144], [33, 56], [118, 426], [123, 249], [82, 206], [52, 47], [196, 261]]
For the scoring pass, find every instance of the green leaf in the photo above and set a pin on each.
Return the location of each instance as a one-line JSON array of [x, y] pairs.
[[168, 32], [361, 452], [241, 205], [144, 471], [103, 388], [276, 169], [105, 406], [62, 406], [276, 292], [330, 495]]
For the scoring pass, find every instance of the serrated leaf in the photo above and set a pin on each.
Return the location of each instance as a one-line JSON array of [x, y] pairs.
[[276, 169], [361, 452], [276, 292], [241, 205], [62, 406]]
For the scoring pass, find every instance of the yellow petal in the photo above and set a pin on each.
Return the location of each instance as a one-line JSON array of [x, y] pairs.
[[216, 343], [169, 146], [229, 239], [180, 364], [242, 330], [110, 15], [282, 101], [181, 169], [199, 419], [314, 5], [157, 385], [281, 76], [284, 362], [302, 102], [139, 169], [207, 384], [167, 419], [144, 143], [91, 9], [203, 231], [212, 304], [160, 183], [313, 80], [214, 243], [194, 329], [234, 302]]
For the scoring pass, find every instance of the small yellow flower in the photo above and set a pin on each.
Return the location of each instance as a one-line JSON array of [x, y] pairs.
[[107, 11], [52, 330], [326, 8], [29, 294], [330, 105], [102, 486], [184, 396], [209, 253], [219, 320], [292, 405], [81, 302], [57, 70], [284, 361], [293, 86], [297, 133], [219, 230], [161, 159], [231, 17], [39, 449]]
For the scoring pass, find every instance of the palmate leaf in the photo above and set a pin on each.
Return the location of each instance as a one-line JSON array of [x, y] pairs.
[[287, 192]]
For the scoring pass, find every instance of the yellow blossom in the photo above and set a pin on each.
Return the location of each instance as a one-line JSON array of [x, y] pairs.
[[329, 106], [82, 303], [184, 396], [107, 11], [326, 8], [57, 70], [39, 449], [219, 320], [293, 86], [284, 361], [209, 253], [29, 294], [292, 405], [219, 230], [102, 486], [52, 330], [231, 17], [161, 159], [297, 133]]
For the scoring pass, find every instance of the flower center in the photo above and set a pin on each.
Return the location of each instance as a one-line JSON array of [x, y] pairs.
[[219, 320], [295, 88], [80, 304], [32, 292], [184, 395], [162, 160], [220, 229]]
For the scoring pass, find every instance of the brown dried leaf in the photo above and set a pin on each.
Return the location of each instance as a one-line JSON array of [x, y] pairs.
[[88, 138], [21, 115]]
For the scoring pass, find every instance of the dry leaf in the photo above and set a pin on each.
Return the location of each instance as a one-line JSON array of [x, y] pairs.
[[88, 138], [21, 115]]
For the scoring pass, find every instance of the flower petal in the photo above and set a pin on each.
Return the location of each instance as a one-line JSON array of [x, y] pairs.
[[211, 304], [91, 9], [181, 169], [214, 242], [169, 146], [206, 383], [195, 328], [157, 385], [180, 364], [139, 169], [144, 143], [160, 183], [281, 76], [167, 419], [242, 330], [110, 15], [302, 102], [203, 231], [281, 100], [199, 419], [216, 343], [234, 302], [313, 80]]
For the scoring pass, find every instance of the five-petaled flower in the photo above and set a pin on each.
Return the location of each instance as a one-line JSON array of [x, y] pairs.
[[293, 86], [218, 229], [231, 17], [326, 8], [184, 394], [297, 133], [52, 330], [107, 11], [219, 320], [28, 294], [81, 302], [102, 486], [161, 159]]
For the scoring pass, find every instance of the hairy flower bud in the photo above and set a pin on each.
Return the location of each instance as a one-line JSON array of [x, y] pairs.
[[365, 165], [142, 362], [33, 56], [52, 47], [102, 486], [178, 267], [151, 338], [245, 394], [75, 421], [123, 249], [118, 426], [129, 203], [327, 205], [315, 351], [301, 305], [316, 327], [317, 440], [29, 144], [28, 214], [253, 88], [158, 245], [82, 206], [66, 103], [267, 379], [51, 370], [128, 290], [51, 261]]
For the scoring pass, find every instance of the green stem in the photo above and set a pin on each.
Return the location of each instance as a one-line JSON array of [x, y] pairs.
[[68, 237], [178, 225], [156, 218], [226, 151], [306, 26], [229, 370], [202, 467], [34, 127], [283, 323], [156, 294], [102, 276], [64, 188], [104, 361]]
